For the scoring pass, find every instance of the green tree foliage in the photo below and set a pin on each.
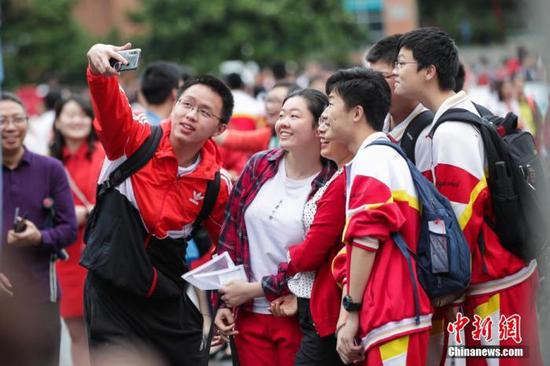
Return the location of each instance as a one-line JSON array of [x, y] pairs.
[[489, 21], [204, 33], [41, 40]]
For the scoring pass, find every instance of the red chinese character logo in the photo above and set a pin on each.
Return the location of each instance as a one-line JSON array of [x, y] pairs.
[[482, 328], [510, 328], [456, 326]]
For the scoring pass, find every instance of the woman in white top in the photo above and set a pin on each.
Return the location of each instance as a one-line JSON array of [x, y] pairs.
[[263, 218], [309, 273]]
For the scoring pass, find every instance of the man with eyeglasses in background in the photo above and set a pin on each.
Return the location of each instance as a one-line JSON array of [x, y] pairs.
[[407, 120], [38, 221], [168, 193]]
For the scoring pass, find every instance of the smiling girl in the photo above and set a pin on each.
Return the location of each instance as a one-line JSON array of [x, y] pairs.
[[75, 145], [264, 217]]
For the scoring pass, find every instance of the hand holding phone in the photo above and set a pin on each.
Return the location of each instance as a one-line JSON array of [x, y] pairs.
[[19, 224], [100, 55], [132, 56], [24, 232]]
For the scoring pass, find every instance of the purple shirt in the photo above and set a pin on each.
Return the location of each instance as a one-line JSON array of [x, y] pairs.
[[36, 178]]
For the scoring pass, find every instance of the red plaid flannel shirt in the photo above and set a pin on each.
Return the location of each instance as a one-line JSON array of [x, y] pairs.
[[233, 236]]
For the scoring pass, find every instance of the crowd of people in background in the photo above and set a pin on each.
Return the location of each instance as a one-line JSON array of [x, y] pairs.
[[303, 201], [512, 84]]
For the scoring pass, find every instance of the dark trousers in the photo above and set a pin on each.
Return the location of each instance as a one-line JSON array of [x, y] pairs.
[[120, 324], [30, 332], [314, 350]]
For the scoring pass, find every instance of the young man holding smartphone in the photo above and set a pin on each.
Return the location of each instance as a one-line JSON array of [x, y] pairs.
[[168, 194]]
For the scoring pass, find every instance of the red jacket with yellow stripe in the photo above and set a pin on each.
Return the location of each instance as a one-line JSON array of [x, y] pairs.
[[456, 163], [382, 200], [167, 203]]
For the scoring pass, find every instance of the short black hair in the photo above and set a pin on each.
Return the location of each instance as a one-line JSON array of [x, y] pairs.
[[13, 98], [234, 81], [279, 70], [433, 46], [52, 98], [218, 87], [316, 102], [367, 88], [159, 79], [459, 79], [385, 50]]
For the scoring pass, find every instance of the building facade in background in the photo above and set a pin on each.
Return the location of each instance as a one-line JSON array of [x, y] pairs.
[[381, 17], [100, 17], [384, 17]]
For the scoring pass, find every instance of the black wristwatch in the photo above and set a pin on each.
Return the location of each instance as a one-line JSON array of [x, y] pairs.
[[349, 305]]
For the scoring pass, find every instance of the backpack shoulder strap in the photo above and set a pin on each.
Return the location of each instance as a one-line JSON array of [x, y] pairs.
[[135, 162], [413, 130], [210, 198], [456, 115], [407, 252], [492, 142]]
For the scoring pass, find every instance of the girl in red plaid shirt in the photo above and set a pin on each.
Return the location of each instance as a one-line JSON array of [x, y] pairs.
[[262, 220]]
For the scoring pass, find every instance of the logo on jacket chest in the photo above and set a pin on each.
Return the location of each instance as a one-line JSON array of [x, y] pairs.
[[196, 198]]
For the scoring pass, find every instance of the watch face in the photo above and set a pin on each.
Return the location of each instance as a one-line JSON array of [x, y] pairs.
[[347, 300], [349, 305]]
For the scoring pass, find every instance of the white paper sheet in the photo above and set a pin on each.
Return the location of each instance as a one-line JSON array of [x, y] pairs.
[[215, 273]]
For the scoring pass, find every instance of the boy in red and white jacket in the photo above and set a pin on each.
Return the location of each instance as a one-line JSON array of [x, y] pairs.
[[502, 285], [379, 321], [167, 194]]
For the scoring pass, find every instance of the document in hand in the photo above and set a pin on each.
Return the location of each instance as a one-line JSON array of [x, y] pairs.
[[219, 278], [215, 273]]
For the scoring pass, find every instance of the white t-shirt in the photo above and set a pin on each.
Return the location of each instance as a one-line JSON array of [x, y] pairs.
[[273, 223], [185, 170]]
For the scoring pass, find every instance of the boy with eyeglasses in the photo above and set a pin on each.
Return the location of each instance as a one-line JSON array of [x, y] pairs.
[[168, 193], [502, 285], [407, 121]]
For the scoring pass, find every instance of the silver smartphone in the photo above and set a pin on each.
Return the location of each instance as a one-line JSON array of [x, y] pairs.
[[132, 56]]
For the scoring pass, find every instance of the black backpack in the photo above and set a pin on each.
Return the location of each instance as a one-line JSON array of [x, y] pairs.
[[515, 179], [442, 258], [413, 130]]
